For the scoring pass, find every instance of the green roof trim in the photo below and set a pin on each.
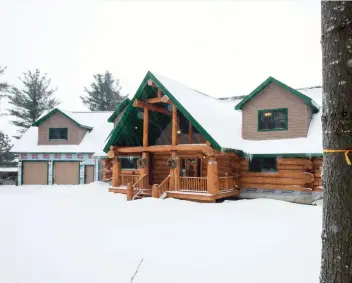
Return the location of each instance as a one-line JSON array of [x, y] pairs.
[[306, 99], [119, 109], [57, 110], [118, 129], [244, 154]]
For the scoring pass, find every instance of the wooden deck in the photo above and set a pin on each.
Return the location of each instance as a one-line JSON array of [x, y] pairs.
[[123, 190], [193, 196], [203, 197]]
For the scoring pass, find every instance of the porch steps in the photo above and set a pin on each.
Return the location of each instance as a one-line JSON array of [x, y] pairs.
[[141, 196]]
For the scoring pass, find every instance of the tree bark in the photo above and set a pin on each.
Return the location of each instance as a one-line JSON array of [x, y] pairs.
[[337, 135]]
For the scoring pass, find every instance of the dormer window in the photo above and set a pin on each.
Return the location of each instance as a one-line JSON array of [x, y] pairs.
[[58, 134], [273, 119]]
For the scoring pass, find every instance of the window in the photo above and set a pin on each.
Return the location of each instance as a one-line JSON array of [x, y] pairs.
[[264, 164], [273, 119], [183, 125], [57, 133], [129, 162]]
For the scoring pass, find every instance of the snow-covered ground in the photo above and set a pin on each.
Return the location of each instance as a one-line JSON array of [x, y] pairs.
[[64, 234]]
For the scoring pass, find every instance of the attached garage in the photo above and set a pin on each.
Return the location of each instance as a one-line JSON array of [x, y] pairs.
[[35, 173], [66, 173]]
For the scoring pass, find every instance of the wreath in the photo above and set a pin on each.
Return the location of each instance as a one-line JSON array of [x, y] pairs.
[[172, 162], [142, 162]]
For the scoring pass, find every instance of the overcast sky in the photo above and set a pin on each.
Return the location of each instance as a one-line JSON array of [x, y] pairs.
[[221, 48]]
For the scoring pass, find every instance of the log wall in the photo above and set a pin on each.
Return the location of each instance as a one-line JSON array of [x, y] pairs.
[[292, 174], [106, 169], [317, 171], [158, 167], [227, 164]]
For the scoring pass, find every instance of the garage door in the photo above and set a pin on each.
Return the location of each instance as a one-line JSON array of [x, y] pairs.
[[66, 173], [89, 174], [35, 173]]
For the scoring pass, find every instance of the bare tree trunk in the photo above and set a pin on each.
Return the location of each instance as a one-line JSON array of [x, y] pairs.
[[337, 135]]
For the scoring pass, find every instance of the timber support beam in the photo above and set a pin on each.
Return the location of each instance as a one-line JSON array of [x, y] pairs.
[[145, 126], [205, 148], [161, 99], [174, 125], [141, 104]]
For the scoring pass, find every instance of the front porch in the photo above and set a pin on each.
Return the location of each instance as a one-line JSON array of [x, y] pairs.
[[189, 172], [191, 188]]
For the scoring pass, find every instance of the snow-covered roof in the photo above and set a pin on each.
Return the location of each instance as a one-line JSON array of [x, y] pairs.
[[92, 142], [224, 124], [8, 169], [221, 124]]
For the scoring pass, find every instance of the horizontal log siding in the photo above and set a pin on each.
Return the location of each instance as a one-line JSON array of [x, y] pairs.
[[158, 167], [106, 169], [317, 171], [293, 174]]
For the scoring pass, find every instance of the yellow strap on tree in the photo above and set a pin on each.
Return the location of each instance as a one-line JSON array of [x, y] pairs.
[[346, 151]]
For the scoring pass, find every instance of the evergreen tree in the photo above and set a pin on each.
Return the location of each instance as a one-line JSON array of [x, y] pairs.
[[29, 102], [336, 263], [105, 93], [3, 85], [7, 159]]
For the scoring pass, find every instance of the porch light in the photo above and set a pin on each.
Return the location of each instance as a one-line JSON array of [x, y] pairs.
[[268, 114], [178, 132]]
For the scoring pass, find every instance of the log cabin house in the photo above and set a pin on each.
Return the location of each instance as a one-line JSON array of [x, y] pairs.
[[174, 141]]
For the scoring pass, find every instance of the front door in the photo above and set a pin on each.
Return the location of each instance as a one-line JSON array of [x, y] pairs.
[[190, 167]]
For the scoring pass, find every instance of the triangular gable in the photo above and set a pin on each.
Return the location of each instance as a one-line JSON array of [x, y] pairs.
[[149, 76], [57, 110], [119, 109], [307, 100]]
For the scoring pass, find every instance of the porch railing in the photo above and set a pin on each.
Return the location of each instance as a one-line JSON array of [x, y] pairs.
[[165, 185], [227, 183], [128, 178], [193, 184], [141, 183]]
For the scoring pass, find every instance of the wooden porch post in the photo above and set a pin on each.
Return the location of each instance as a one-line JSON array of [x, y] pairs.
[[145, 170], [190, 133], [155, 191], [174, 125], [116, 171], [213, 176], [175, 174], [145, 127], [129, 191]]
